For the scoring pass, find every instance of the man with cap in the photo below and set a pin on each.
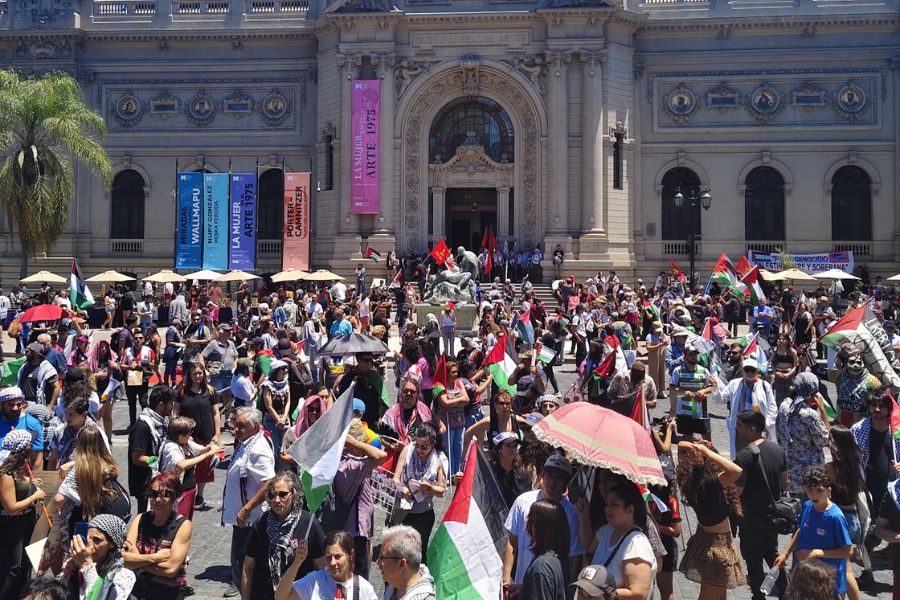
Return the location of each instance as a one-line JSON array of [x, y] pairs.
[[623, 388], [594, 583], [554, 479], [37, 378], [675, 350], [822, 315], [749, 392], [690, 384], [13, 416], [219, 358]]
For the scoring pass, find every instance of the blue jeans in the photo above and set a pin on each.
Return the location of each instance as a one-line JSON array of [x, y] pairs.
[[453, 440], [277, 435], [222, 381]]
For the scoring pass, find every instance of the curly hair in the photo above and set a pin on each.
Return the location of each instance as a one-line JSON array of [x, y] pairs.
[[692, 469], [810, 580]]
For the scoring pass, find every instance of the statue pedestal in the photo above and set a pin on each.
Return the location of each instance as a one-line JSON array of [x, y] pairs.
[[466, 315]]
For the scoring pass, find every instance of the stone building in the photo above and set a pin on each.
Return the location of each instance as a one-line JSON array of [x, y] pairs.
[[571, 122]]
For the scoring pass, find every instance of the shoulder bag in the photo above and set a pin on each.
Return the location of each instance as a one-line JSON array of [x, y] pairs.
[[784, 512]]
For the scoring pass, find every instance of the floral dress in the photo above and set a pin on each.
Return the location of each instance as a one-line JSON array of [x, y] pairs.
[[802, 435]]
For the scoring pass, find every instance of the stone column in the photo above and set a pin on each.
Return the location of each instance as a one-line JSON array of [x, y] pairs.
[[349, 68], [558, 74], [894, 65], [592, 142], [504, 227], [384, 63], [439, 208]]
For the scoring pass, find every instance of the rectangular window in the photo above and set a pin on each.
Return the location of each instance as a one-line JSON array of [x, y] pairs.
[[329, 163], [618, 161]]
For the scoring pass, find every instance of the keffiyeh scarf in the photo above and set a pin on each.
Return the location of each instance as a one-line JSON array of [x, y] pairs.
[[281, 542]]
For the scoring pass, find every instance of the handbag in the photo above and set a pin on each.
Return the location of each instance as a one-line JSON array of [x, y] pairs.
[[784, 512]]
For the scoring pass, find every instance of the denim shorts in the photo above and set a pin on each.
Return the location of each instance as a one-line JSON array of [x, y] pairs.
[[222, 381], [853, 525]]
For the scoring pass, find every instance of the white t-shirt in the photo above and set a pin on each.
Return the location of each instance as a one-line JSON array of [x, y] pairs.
[[4, 306], [319, 585], [635, 547], [364, 307], [515, 524], [254, 461], [339, 291]]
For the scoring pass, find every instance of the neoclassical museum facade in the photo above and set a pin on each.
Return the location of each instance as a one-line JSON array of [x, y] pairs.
[[571, 122]]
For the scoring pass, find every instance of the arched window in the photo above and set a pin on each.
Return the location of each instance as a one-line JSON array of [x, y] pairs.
[[127, 206], [478, 121], [676, 222], [851, 204], [270, 205], [764, 205]]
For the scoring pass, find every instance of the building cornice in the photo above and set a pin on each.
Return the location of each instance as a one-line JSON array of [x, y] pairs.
[[137, 35], [886, 21]]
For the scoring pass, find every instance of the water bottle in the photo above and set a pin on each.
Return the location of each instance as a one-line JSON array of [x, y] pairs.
[[768, 583]]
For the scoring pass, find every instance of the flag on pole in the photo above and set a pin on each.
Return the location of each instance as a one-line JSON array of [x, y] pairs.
[[861, 327], [750, 280], [743, 265], [521, 324], [79, 294], [546, 355], [750, 344], [440, 253], [373, 254], [464, 554], [439, 379], [318, 451], [677, 272], [500, 364], [895, 417], [639, 412], [647, 495], [724, 273], [396, 282]]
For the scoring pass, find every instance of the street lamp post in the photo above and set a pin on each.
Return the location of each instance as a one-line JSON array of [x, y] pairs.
[[695, 198]]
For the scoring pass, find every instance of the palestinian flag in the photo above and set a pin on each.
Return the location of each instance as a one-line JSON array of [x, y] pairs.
[[318, 451], [79, 294], [692, 408], [639, 412], [647, 495], [743, 265], [9, 374], [750, 281], [464, 554], [654, 310], [396, 282], [895, 417], [546, 355], [439, 379], [724, 273], [500, 363], [521, 323], [373, 254], [862, 328], [440, 253], [750, 345]]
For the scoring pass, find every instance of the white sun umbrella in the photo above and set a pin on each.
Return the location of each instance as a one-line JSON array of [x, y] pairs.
[[236, 275], [109, 277], [204, 275], [769, 275], [289, 275], [894, 278], [166, 276], [795, 275], [45, 277], [834, 274], [322, 275]]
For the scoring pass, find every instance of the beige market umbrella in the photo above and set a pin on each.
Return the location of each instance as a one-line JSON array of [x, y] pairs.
[[204, 275], [834, 274], [289, 275], [236, 275], [769, 275], [109, 277], [795, 275], [45, 277], [166, 276], [322, 275], [894, 278]]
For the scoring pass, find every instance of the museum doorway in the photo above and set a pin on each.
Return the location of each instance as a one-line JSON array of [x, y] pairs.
[[470, 211]]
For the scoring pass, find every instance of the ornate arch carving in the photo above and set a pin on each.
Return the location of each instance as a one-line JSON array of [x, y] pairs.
[[432, 93], [766, 160], [853, 161], [681, 161]]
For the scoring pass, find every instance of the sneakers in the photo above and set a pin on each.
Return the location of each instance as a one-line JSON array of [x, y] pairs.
[[232, 591], [865, 579]]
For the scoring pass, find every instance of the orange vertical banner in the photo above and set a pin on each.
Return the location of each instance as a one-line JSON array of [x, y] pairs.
[[295, 246]]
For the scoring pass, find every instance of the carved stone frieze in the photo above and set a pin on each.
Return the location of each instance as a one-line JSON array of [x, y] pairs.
[[534, 68], [405, 72]]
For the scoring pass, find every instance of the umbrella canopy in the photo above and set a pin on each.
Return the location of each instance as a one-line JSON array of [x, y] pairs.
[[236, 275], [45, 277], [834, 274], [769, 275], [600, 437], [894, 278], [203, 275], [289, 275], [353, 343], [42, 312], [166, 276], [109, 277], [322, 275], [795, 275]]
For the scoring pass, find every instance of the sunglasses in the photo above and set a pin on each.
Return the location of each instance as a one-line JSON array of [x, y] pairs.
[[423, 448], [154, 494], [282, 495]]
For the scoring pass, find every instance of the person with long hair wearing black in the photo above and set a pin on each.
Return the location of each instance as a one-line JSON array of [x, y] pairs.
[[511, 475], [199, 401], [707, 480], [548, 529]]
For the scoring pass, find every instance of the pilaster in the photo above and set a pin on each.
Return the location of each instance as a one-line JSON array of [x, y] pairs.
[[558, 66]]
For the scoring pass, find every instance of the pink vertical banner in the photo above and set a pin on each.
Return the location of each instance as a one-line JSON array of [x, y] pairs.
[[365, 158], [295, 246]]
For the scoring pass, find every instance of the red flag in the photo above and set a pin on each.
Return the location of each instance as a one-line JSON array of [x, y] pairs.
[[607, 365], [485, 237], [439, 378], [750, 350], [707, 330], [742, 266], [679, 274], [639, 409], [440, 253]]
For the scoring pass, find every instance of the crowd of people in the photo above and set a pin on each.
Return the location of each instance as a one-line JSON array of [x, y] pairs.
[[261, 378]]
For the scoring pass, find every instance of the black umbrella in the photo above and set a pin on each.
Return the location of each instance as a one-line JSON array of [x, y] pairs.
[[354, 343]]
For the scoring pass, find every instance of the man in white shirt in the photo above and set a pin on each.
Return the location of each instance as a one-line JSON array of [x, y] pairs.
[[339, 291], [749, 393], [4, 308]]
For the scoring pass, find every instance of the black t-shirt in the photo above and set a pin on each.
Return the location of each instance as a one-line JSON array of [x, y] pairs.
[[888, 510], [881, 453], [711, 507], [755, 497], [199, 407], [28, 381], [545, 579], [365, 391], [140, 440], [258, 549]]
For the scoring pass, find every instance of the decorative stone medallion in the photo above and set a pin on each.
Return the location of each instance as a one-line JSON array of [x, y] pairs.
[[128, 110], [201, 110], [850, 101], [275, 108], [681, 104], [765, 103]]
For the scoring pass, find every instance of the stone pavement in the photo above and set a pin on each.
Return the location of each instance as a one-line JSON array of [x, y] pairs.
[[208, 570]]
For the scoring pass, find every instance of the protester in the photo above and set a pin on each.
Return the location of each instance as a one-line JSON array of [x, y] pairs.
[[158, 542], [878, 448], [62, 442], [511, 475], [145, 441], [200, 402], [548, 532], [337, 580], [750, 392], [96, 569], [450, 407], [182, 455], [138, 364], [400, 561], [887, 528], [276, 400], [803, 430], [690, 384]]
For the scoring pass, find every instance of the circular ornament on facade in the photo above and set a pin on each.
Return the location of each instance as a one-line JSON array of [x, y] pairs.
[[128, 110], [275, 108], [681, 104], [765, 102], [850, 101], [201, 110]]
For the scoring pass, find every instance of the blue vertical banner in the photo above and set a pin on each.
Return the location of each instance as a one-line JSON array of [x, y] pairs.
[[189, 221], [215, 221], [242, 222]]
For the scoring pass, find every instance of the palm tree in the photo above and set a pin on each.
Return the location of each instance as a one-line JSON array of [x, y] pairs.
[[44, 124]]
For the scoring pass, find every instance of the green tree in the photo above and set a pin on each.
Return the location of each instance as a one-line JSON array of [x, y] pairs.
[[45, 124]]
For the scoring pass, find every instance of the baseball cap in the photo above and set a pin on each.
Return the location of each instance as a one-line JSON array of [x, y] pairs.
[[750, 363], [224, 327], [560, 463], [678, 331], [688, 348], [595, 580], [36, 348], [504, 437], [359, 405]]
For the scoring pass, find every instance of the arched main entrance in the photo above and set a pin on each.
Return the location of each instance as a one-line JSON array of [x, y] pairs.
[[470, 137]]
